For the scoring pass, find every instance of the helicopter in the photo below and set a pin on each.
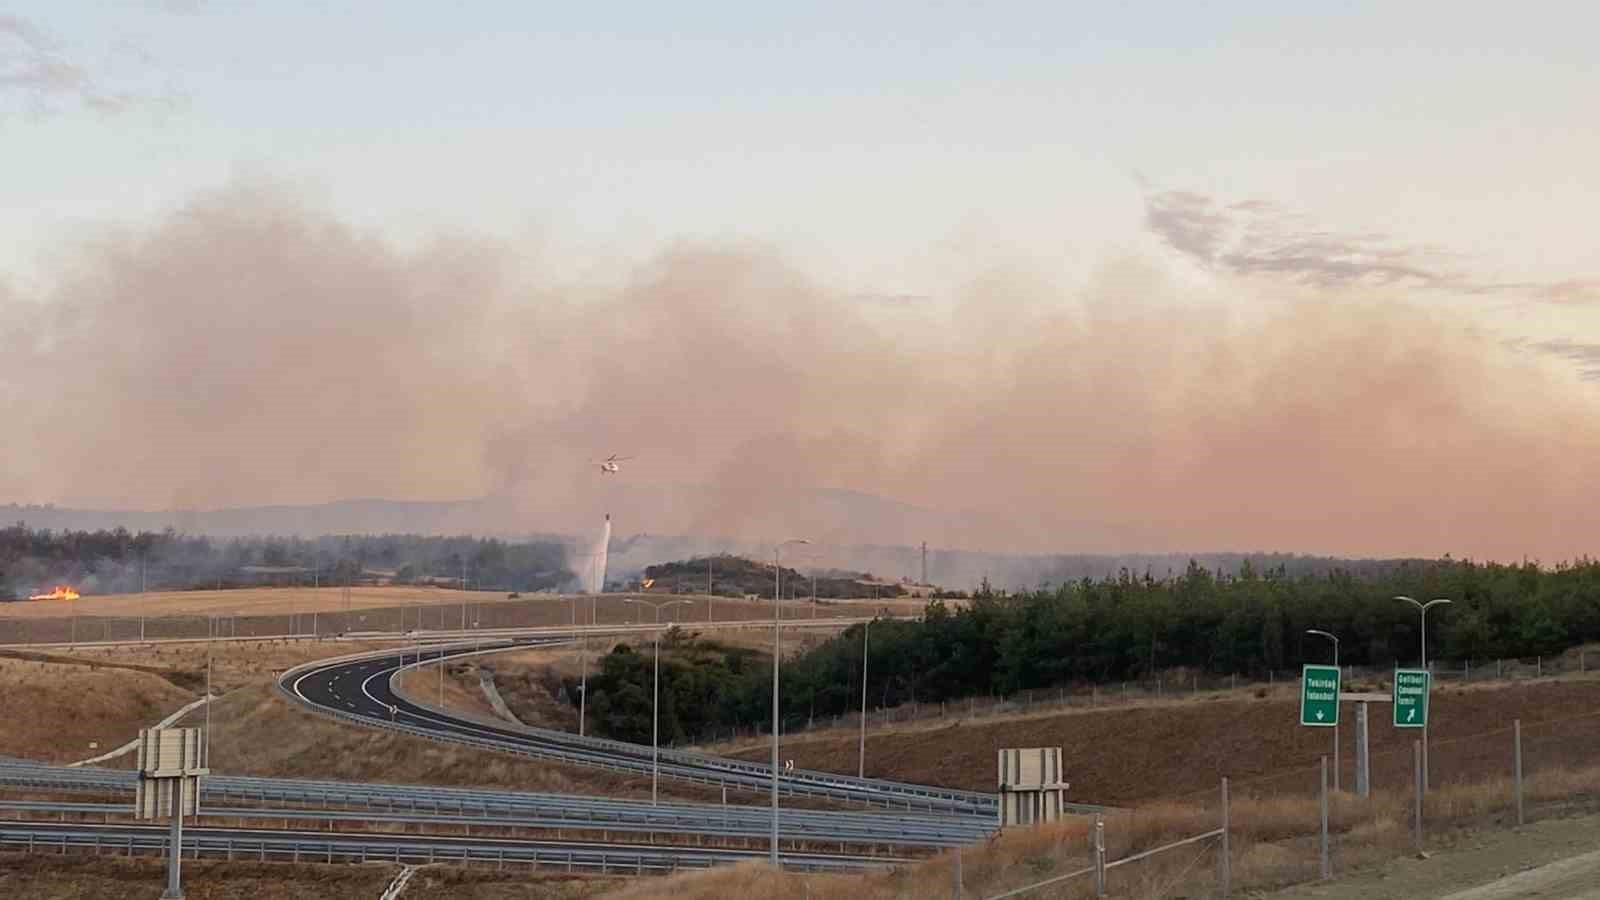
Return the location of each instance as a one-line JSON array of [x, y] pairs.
[[609, 464]]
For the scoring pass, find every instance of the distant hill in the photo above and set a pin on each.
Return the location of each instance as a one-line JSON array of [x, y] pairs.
[[736, 576]]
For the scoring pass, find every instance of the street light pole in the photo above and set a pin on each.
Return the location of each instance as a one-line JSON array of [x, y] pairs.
[[655, 701], [777, 656], [1423, 608], [1332, 637], [861, 763], [583, 685]]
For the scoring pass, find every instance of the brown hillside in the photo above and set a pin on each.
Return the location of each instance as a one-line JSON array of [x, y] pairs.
[[1124, 755]]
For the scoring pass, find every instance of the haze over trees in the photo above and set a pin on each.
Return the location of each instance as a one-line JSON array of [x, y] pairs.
[[120, 561]]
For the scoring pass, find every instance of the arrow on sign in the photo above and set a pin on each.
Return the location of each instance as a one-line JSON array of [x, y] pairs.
[[1411, 714], [1319, 715]]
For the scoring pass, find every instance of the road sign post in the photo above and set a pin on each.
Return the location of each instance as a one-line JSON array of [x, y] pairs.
[[1411, 698], [171, 761], [1319, 696]]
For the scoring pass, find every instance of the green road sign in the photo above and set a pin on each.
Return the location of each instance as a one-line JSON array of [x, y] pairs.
[[1411, 698], [1319, 695]]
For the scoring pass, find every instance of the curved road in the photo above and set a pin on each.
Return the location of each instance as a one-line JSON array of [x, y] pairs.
[[359, 689]]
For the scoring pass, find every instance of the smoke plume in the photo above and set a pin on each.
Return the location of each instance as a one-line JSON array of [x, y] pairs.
[[252, 349]]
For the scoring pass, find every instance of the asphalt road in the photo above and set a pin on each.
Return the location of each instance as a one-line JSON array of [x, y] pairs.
[[360, 688]]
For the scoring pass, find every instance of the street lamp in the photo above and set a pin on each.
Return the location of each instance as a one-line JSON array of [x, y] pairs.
[[655, 700], [777, 583], [1423, 607], [861, 763], [583, 656], [1332, 637], [583, 652]]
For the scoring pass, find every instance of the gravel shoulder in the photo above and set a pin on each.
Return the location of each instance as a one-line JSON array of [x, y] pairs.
[[1554, 859]]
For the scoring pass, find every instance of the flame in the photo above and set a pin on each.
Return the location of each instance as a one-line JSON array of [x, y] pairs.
[[61, 592]]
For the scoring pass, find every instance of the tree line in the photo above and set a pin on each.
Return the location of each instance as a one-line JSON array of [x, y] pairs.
[[1121, 628]]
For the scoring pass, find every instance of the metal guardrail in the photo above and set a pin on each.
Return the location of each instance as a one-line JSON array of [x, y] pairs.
[[622, 756], [504, 807], [264, 844]]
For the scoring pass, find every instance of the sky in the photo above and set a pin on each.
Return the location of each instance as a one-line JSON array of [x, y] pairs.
[[929, 175]]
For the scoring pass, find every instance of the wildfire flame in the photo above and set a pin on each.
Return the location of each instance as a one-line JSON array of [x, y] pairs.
[[61, 592]]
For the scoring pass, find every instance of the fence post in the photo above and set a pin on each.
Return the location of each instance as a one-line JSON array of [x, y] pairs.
[[1538, 666], [957, 892], [1326, 871], [1225, 862], [1416, 781], [1516, 756], [1363, 760], [1499, 666], [1099, 856]]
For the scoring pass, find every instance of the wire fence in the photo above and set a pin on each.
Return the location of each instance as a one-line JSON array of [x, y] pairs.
[[328, 614], [1294, 827]]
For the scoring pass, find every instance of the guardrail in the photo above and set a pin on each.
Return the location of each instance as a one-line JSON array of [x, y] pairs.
[[263, 844], [509, 808]]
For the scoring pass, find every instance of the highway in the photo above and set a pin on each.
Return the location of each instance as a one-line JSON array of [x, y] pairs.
[[334, 801], [359, 688]]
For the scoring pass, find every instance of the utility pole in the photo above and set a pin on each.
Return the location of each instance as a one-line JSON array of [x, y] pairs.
[[924, 562]]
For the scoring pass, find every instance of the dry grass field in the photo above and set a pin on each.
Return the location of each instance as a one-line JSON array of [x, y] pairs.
[[62, 713], [56, 704], [246, 601], [278, 611], [305, 600]]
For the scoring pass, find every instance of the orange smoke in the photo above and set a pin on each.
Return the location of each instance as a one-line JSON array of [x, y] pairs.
[[61, 592]]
